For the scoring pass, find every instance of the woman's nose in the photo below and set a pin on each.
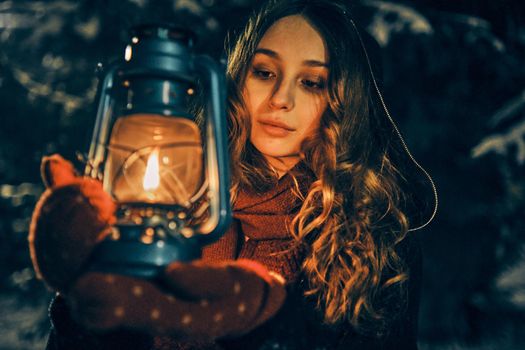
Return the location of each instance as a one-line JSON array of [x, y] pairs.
[[282, 96]]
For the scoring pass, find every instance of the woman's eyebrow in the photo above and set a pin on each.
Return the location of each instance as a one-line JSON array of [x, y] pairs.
[[275, 55]]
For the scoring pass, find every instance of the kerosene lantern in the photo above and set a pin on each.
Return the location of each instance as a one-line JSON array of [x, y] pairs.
[[168, 173]]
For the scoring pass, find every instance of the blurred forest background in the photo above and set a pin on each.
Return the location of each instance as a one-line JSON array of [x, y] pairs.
[[454, 79]]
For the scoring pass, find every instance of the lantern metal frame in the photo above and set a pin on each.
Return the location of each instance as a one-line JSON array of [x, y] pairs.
[[163, 54]]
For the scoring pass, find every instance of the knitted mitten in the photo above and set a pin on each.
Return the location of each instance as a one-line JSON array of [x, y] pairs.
[[198, 300], [71, 216]]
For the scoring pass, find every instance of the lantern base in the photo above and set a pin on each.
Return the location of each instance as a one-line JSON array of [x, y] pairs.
[[130, 256]]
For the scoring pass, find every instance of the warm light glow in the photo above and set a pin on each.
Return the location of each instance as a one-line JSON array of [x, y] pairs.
[[127, 53], [152, 177]]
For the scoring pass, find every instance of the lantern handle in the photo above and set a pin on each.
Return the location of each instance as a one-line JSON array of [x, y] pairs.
[[218, 167], [97, 150]]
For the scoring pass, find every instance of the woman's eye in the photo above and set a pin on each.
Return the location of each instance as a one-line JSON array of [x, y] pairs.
[[263, 74], [313, 84]]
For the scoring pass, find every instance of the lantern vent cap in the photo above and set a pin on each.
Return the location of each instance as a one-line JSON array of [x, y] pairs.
[[163, 31]]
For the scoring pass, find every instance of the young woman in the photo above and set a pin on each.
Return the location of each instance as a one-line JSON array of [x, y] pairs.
[[318, 256]]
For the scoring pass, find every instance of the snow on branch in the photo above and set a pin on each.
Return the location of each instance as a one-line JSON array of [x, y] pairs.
[[502, 143], [509, 109], [382, 28], [69, 102], [512, 282]]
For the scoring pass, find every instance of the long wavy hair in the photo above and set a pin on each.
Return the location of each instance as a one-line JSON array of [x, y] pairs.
[[350, 219]]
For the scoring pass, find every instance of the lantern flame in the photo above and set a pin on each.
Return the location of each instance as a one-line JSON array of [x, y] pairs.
[[152, 177]]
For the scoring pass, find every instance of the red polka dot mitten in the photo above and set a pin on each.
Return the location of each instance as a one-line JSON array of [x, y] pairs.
[[70, 218], [197, 300]]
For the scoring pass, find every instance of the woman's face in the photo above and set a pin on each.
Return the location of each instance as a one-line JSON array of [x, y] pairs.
[[285, 90]]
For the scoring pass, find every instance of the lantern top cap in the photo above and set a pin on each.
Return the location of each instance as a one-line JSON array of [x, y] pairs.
[[163, 31]]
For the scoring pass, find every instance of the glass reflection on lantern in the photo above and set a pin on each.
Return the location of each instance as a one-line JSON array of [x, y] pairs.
[[146, 165]]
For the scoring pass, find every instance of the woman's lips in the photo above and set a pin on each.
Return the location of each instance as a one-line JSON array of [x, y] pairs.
[[276, 129]]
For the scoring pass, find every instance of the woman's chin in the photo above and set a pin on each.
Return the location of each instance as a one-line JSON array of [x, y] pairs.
[[277, 153], [272, 148]]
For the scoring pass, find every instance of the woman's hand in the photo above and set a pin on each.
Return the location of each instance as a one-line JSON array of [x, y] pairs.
[[199, 300], [71, 216]]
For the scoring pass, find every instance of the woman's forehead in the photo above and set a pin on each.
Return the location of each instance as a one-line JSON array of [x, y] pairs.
[[294, 37]]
